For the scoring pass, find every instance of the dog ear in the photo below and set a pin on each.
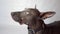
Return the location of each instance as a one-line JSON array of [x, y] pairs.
[[15, 16], [48, 14]]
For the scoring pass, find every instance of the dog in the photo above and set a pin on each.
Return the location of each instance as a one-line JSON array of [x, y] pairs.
[[35, 21]]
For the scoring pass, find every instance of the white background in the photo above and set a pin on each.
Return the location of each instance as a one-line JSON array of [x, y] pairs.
[[9, 26]]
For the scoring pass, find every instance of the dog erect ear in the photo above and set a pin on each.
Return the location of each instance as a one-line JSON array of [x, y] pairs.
[[15, 16], [48, 14]]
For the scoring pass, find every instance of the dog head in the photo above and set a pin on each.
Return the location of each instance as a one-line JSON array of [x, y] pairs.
[[31, 16]]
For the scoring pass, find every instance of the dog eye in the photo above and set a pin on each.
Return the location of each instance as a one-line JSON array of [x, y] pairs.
[[27, 12]]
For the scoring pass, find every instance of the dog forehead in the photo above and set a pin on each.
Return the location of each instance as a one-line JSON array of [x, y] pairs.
[[26, 12]]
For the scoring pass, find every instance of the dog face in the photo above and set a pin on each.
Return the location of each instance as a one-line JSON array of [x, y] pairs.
[[31, 16], [26, 16]]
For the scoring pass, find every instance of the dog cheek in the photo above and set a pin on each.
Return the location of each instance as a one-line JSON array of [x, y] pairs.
[[22, 21]]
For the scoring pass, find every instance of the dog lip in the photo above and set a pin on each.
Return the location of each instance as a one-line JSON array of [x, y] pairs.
[[20, 22]]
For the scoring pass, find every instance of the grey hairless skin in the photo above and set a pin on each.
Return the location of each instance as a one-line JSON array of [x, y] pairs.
[[35, 21]]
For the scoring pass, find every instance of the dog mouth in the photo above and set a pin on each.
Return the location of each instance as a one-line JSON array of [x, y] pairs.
[[25, 22]]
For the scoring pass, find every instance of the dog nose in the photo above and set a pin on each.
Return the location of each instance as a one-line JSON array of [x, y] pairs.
[[13, 13]]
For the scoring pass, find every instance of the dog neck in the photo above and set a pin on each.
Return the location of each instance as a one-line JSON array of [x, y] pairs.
[[39, 29], [31, 31]]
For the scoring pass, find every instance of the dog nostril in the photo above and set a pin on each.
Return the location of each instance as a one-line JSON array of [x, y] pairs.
[[27, 23]]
